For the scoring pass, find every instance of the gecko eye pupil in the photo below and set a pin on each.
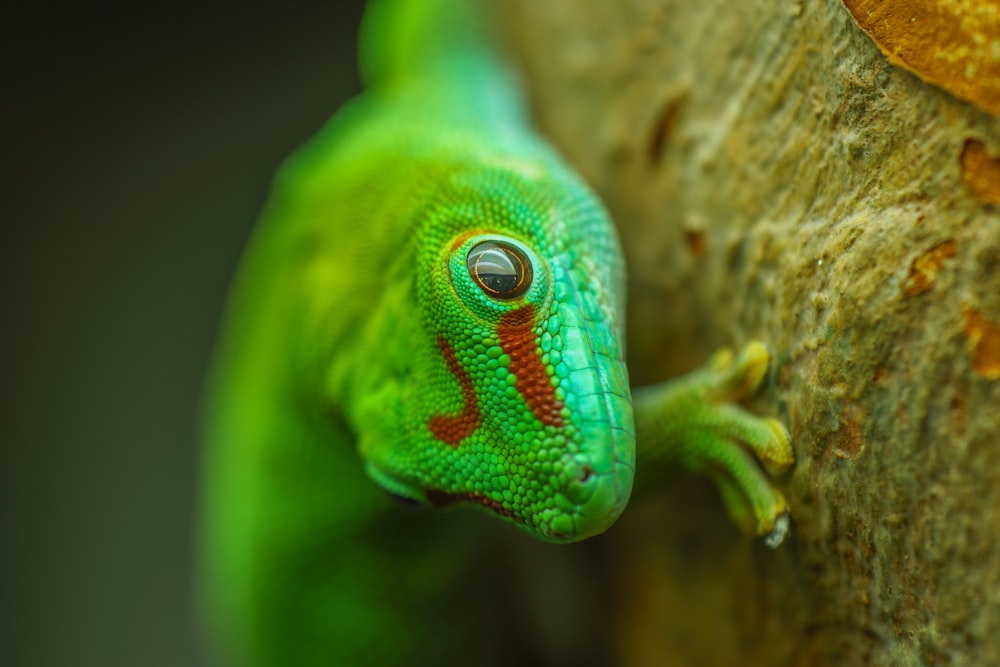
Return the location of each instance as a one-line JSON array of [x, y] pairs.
[[501, 270]]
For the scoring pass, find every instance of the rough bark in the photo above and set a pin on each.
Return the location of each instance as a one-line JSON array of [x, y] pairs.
[[774, 175]]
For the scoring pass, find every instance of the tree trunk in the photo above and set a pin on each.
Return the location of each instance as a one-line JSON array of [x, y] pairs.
[[777, 173]]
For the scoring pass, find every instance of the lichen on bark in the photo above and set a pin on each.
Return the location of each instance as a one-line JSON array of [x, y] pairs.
[[775, 176]]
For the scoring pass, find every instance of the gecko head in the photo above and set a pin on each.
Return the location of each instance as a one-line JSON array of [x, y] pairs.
[[521, 401]]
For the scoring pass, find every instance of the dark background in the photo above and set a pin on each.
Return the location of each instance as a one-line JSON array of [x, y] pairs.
[[139, 143]]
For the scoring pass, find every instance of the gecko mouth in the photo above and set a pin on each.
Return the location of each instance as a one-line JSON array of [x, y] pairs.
[[439, 499]]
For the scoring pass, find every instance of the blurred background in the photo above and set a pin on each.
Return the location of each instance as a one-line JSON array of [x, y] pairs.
[[140, 142]]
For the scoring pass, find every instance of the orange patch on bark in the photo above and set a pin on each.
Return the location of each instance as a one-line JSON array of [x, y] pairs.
[[981, 171], [983, 338], [924, 269], [941, 41], [517, 340]]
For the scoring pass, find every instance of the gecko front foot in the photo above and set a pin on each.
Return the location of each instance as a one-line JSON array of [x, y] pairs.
[[696, 422]]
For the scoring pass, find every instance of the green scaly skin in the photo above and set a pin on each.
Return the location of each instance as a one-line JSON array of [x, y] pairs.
[[358, 341]]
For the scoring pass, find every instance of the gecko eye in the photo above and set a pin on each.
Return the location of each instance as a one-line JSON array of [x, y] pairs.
[[500, 269]]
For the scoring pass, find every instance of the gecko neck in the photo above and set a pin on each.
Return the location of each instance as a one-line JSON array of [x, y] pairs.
[[445, 54]]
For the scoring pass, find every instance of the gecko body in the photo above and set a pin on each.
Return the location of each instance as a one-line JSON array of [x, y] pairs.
[[432, 308]]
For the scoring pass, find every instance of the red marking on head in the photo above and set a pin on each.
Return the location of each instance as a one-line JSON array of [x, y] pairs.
[[452, 429], [443, 499], [463, 237], [533, 383]]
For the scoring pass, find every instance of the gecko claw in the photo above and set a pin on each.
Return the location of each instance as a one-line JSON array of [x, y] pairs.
[[782, 526]]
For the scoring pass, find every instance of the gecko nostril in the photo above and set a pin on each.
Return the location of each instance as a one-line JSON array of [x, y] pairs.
[[586, 473]]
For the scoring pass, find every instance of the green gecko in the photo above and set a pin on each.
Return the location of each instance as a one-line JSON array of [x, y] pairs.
[[432, 307]]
